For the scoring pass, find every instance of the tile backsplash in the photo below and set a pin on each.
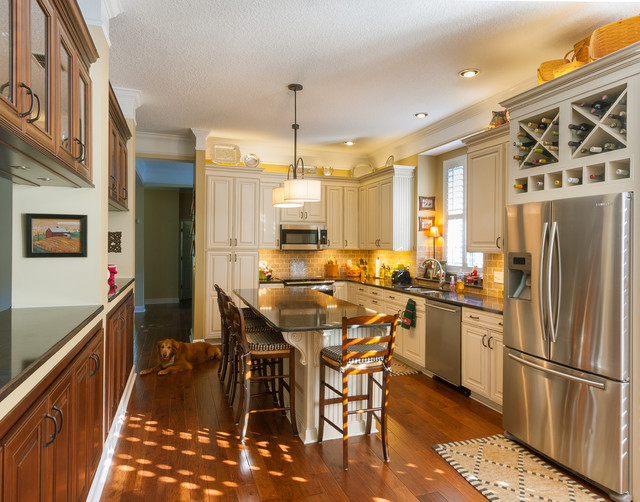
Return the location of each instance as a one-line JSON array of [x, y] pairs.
[[280, 263]]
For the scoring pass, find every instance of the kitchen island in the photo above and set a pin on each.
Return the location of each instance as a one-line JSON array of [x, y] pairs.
[[310, 320]]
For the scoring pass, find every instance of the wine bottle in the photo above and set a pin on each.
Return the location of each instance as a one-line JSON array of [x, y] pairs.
[[519, 157], [539, 184], [538, 150], [598, 177], [524, 143], [522, 134], [623, 101], [622, 172], [557, 183], [584, 104], [601, 105], [581, 127], [552, 148], [550, 143], [623, 131], [545, 120], [520, 186], [524, 148], [555, 132], [593, 149], [617, 116], [529, 164], [582, 133], [573, 180], [541, 161], [607, 147], [575, 143], [532, 124], [555, 122], [539, 131]]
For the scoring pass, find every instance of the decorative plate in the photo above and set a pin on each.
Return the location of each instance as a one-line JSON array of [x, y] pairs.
[[221, 153], [251, 160], [361, 170], [389, 161]]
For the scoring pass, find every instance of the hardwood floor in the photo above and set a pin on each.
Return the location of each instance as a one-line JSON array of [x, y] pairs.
[[180, 443]]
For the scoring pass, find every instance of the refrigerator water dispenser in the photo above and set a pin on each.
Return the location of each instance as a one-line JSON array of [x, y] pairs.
[[519, 276]]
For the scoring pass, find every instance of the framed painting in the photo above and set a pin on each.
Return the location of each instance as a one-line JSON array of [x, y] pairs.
[[424, 224], [56, 235], [426, 203]]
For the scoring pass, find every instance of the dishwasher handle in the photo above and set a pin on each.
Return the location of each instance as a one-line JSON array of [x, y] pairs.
[[453, 311]]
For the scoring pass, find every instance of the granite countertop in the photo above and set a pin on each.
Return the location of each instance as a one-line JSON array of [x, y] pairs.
[[30, 336], [469, 299], [299, 309], [121, 285]]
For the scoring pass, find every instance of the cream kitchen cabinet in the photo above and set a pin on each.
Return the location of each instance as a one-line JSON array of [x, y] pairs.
[[310, 212], [486, 174], [232, 211], [385, 209], [482, 348], [269, 227], [350, 217], [335, 223], [340, 290], [230, 270]]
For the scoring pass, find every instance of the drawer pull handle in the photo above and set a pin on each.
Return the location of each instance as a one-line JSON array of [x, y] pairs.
[[55, 428], [474, 317], [483, 338], [489, 342], [59, 412]]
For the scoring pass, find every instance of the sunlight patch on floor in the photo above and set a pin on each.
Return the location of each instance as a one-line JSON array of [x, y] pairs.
[[124, 456], [143, 461], [147, 474], [210, 491], [167, 479], [208, 457], [276, 473], [150, 443], [230, 484], [164, 467], [188, 452], [206, 477], [169, 447], [189, 486], [298, 479], [184, 472], [126, 468], [230, 462]]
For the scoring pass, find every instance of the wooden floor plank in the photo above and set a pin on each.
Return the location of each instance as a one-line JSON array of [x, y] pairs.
[[180, 442]]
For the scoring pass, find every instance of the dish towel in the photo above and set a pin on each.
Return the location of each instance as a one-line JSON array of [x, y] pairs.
[[409, 316]]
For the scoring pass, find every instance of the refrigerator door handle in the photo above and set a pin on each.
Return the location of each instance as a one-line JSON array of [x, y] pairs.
[[541, 308], [556, 314], [591, 383], [553, 316]]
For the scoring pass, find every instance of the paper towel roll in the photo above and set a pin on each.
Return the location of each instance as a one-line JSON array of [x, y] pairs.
[[377, 267]]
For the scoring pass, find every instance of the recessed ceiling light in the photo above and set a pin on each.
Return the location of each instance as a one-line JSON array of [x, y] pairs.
[[421, 115], [468, 72], [350, 143]]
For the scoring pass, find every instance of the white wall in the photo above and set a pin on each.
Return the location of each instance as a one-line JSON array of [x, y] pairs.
[[5, 244]]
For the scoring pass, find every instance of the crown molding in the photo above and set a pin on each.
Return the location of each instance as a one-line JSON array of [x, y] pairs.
[[169, 145], [129, 101]]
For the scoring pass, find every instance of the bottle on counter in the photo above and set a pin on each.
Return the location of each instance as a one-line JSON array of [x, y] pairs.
[[460, 283], [452, 285]]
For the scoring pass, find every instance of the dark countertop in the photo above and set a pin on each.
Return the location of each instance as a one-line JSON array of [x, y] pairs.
[[299, 309], [121, 285], [30, 336], [473, 300]]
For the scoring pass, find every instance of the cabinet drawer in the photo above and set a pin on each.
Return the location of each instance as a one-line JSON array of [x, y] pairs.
[[481, 318], [375, 292], [393, 296]]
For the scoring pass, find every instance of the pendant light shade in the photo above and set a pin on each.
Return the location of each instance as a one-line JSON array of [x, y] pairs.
[[277, 199], [296, 191], [302, 190]]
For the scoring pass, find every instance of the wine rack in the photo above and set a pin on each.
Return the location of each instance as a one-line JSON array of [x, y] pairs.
[[607, 124], [582, 145]]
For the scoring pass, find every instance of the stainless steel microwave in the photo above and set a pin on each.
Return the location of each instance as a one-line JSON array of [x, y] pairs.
[[303, 237]]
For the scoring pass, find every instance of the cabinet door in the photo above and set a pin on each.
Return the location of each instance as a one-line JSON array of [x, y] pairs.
[[475, 360], [95, 400], [219, 209], [38, 69], [115, 329], [485, 199], [315, 211], [114, 162], [219, 270], [130, 329], [373, 215], [269, 218], [340, 291], [293, 214], [363, 218], [82, 122], [246, 215], [385, 210], [81, 424], [334, 195], [123, 172], [64, 79], [245, 272], [63, 449], [496, 348], [24, 470], [350, 218], [415, 339], [9, 77]]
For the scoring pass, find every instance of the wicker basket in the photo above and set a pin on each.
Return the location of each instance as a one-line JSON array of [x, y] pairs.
[[581, 50], [566, 68], [545, 70], [614, 36]]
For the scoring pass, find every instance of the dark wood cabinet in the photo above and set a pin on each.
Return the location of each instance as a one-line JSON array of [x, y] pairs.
[[88, 378], [45, 92], [119, 134], [118, 354], [51, 451]]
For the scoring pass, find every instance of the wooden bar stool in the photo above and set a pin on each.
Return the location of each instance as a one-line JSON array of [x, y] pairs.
[[366, 354], [255, 350]]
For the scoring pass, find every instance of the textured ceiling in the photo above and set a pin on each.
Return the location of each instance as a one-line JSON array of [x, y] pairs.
[[366, 65]]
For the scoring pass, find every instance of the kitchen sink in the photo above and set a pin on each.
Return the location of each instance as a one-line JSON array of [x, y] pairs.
[[424, 291]]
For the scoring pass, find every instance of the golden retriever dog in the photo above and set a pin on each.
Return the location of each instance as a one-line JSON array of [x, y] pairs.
[[178, 356]]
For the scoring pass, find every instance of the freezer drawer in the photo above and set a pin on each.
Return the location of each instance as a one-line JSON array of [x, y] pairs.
[[579, 420]]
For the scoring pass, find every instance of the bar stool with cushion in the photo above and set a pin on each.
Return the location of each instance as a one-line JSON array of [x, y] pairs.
[[254, 350], [363, 354]]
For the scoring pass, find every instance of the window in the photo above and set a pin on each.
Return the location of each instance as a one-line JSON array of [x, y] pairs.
[[455, 215]]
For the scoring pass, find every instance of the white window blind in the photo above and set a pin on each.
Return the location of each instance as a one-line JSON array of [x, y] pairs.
[[455, 213]]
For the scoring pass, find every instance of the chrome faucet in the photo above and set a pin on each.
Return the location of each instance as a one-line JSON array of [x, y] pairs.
[[442, 277]]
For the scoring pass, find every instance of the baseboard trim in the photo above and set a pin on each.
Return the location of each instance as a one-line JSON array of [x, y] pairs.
[[110, 444], [156, 301], [139, 309]]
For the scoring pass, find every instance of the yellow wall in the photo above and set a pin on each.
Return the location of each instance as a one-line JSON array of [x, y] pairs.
[[162, 241]]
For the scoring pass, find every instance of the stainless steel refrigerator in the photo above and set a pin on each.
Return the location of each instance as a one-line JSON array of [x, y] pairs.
[[567, 322]]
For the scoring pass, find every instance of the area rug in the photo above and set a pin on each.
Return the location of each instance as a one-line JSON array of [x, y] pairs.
[[504, 471], [399, 369]]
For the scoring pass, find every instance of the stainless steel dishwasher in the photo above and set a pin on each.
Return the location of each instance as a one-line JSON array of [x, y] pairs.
[[443, 341]]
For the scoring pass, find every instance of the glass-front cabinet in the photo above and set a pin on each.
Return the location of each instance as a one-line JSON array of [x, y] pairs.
[[45, 89], [119, 134]]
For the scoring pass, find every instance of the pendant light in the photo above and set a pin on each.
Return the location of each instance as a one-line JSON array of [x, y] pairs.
[[296, 190]]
